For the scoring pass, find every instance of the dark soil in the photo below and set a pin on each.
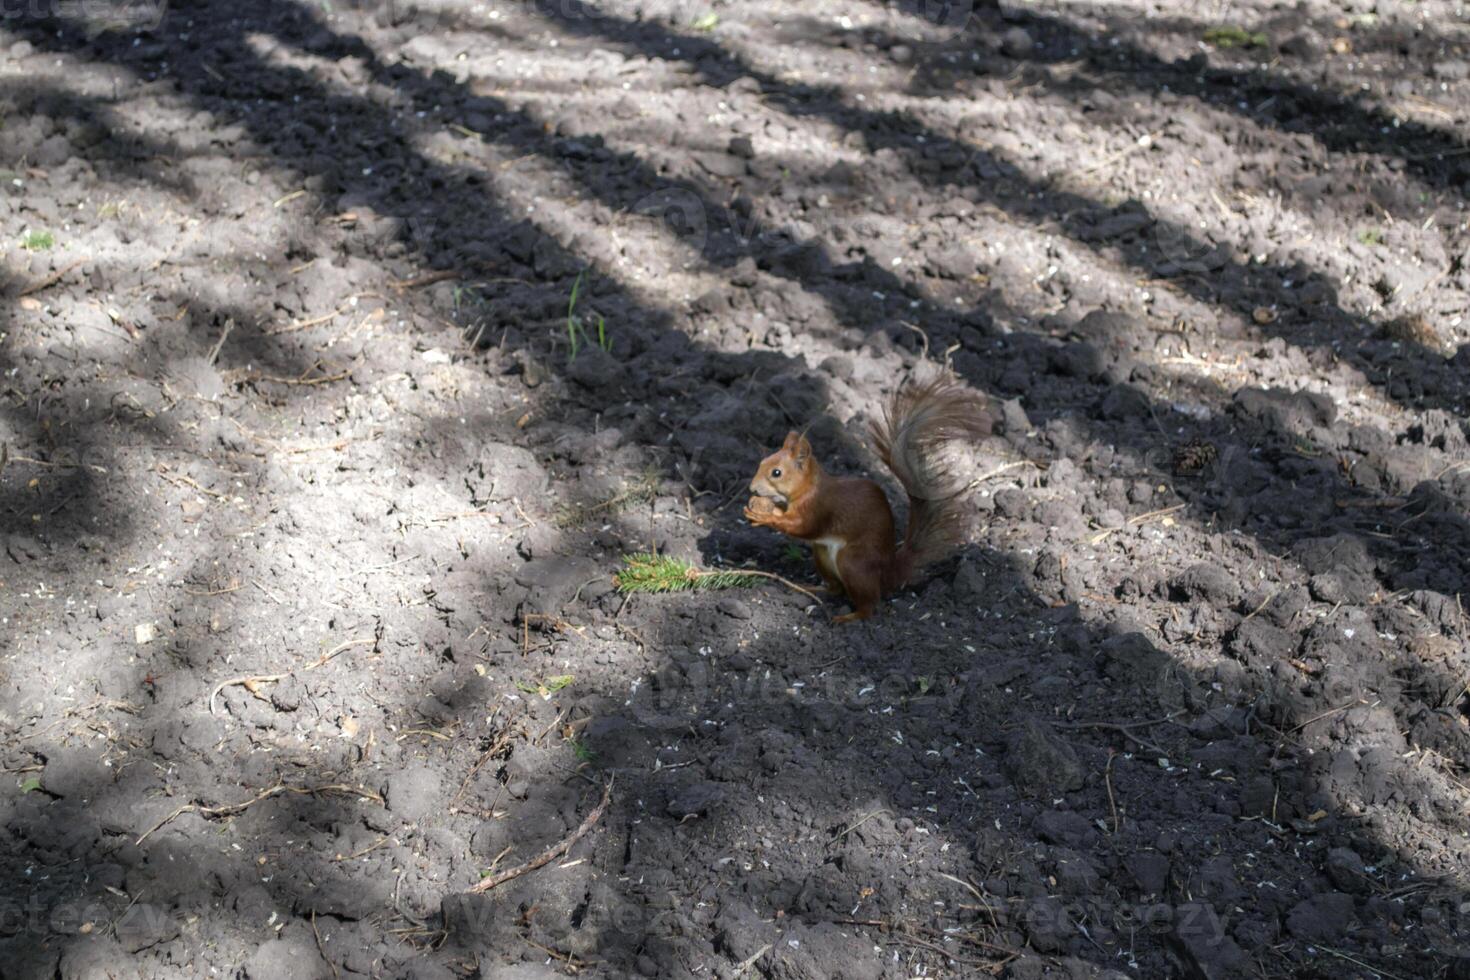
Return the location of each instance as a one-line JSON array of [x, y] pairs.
[[309, 515]]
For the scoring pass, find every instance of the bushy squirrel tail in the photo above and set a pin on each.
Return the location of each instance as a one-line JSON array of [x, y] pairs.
[[910, 439]]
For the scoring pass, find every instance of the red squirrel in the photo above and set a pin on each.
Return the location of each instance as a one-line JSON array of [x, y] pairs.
[[847, 520]]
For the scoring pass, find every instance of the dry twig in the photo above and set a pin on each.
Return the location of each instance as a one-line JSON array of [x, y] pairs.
[[48, 281], [219, 345], [749, 961], [321, 947], [232, 808], [496, 747], [427, 279], [249, 680], [331, 654], [1108, 780], [554, 851], [315, 321], [1125, 728]]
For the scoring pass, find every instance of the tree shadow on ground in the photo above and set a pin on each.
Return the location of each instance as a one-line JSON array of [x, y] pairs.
[[920, 732], [1117, 50], [1130, 234], [880, 763]]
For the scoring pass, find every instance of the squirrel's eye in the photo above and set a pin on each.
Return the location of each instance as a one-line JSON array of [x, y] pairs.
[[776, 473]]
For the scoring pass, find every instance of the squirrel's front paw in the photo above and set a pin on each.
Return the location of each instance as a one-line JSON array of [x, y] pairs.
[[759, 510]]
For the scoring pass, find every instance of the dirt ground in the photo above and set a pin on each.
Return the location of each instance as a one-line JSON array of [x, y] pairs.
[[310, 499]]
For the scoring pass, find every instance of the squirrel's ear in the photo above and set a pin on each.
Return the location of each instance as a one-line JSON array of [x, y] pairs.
[[791, 440], [802, 448]]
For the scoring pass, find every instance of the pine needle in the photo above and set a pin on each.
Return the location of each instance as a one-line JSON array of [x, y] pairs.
[[644, 572]]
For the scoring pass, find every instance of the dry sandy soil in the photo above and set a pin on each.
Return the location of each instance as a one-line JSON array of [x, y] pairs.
[[309, 507]]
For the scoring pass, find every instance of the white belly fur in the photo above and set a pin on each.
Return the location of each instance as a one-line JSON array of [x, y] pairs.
[[833, 547]]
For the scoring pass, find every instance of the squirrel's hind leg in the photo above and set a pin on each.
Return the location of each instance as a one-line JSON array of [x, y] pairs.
[[863, 582]]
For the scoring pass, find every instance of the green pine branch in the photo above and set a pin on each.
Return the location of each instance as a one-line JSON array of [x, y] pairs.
[[645, 572]]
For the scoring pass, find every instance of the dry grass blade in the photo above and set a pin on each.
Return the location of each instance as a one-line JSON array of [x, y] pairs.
[[640, 490], [1102, 536], [906, 933], [999, 470]]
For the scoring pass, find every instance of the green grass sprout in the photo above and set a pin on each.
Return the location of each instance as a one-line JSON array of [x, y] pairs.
[[577, 333], [37, 241], [548, 687], [1231, 36]]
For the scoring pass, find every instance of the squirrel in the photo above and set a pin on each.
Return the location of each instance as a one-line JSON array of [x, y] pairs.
[[847, 520]]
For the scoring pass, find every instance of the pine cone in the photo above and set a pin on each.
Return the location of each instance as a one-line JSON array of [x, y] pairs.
[[1191, 458]]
